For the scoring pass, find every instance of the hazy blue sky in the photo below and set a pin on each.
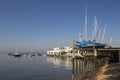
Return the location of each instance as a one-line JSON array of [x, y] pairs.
[[44, 24]]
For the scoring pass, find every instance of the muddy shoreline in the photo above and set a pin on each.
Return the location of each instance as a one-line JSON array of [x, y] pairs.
[[108, 72]]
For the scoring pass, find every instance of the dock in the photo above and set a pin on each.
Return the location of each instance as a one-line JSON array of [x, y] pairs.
[[113, 53], [86, 67]]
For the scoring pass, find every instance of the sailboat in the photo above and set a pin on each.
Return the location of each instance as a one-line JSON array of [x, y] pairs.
[[85, 43], [16, 54]]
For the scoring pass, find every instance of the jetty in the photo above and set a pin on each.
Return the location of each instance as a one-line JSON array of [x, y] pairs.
[[113, 53]]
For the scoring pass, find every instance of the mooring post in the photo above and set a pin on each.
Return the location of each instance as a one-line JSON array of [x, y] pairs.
[[95, 52], [73, 68], [119, 55], [78, 51]]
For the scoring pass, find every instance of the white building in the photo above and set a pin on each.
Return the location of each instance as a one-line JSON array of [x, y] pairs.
[[58, 50]]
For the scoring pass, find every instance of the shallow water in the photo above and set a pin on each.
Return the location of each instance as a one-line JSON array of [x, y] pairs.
[[34, 68]]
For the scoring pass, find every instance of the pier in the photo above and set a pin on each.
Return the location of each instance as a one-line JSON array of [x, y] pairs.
[[84, 68], [92, 59], [113, 53]]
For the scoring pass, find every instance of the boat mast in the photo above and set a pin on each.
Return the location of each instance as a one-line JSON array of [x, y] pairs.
[[99, 35], [110, 41], [80, 37], [86, 23], [73, 43], [94, 28], [103, 35]]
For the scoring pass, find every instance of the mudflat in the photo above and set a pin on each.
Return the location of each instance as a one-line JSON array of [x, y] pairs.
[[109, 72]]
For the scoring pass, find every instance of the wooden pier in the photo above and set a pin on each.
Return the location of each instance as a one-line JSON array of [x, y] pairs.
[[85, 67], [113, 53]]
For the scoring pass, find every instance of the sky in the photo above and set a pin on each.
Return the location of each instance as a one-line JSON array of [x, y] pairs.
[[43, 24]]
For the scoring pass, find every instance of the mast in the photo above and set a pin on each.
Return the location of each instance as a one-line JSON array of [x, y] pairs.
[[73, 43], [99, 35], [94, 34], [103, 35], [80, 37], [110, 41], [86, 23]]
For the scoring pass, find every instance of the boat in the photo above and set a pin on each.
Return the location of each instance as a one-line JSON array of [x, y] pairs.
[[10, 54], [17, 55], [97, 34], [89, 44], [39, 54], [36, 54]]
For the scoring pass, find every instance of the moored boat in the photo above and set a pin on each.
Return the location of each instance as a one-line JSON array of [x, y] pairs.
[[17, 55]]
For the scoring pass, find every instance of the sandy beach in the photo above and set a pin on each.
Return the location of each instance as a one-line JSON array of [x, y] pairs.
[[109, 72]]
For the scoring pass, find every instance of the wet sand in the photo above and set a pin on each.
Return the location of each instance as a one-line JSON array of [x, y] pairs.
[[109, 72]]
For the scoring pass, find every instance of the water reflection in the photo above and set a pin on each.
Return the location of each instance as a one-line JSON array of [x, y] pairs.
[[60, 61], [83, 68]]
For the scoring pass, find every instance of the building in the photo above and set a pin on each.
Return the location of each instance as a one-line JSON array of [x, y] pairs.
[[59, 51]]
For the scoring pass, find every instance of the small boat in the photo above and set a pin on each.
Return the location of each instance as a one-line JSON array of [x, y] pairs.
[[17, 55], [39, 54], [36, 54], [10, 54]]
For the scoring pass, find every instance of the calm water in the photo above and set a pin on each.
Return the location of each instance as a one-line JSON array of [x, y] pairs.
[[34, 68]]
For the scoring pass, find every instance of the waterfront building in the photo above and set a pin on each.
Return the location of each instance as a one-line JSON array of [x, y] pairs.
[[60, 51]]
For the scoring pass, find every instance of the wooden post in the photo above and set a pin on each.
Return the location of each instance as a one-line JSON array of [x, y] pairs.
[[95, 52], [119, 55], [79, 66], [78, 51], [74, 53], [76, 66], [73, 68]]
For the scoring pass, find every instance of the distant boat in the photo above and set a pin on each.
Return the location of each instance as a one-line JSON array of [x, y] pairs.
[[36, 54], [17, 55], [39, 54], [10, 54]]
